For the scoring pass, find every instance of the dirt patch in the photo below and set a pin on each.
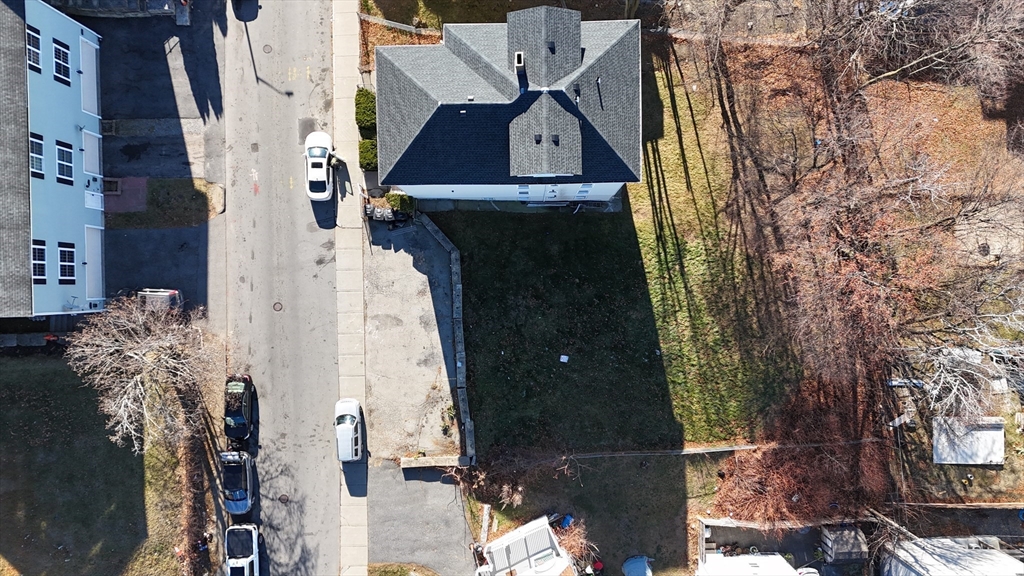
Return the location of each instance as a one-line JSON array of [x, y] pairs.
[[173, 203], [372, 35]]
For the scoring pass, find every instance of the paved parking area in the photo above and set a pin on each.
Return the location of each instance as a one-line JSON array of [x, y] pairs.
[[410, 370], [414, 515]]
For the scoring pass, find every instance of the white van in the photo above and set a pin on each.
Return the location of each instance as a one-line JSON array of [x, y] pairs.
[[347, 428]]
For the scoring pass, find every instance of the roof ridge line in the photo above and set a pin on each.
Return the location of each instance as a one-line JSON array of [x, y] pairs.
[[500, 73]]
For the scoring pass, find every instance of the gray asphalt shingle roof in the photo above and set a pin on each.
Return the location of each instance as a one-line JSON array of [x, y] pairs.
[[581, 83], [15, 202]]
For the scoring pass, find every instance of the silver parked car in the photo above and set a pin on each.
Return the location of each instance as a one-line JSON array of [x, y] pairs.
[[236, 481]]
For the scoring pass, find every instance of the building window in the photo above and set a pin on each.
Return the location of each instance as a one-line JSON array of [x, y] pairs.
[[39, 261], [65, 163], [35, 154], [61, 62], [66, 251], [32, 48]]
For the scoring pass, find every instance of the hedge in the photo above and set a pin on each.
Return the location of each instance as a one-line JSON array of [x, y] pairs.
[[368, 155], [366, 112], [399, 201]]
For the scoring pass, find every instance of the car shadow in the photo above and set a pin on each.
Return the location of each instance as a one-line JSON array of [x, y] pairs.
[[342, 180], [355, 472], [325, 212], [355, 477], [252, 443]]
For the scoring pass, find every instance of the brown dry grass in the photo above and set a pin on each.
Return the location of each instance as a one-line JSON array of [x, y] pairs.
[[372, 35]]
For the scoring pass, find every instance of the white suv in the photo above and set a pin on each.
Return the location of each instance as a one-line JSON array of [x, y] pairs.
[[242, 547]]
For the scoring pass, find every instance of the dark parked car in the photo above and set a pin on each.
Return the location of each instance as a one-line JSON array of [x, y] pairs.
[[237, 478], [238, 397]]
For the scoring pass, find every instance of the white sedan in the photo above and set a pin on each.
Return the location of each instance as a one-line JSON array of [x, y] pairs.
[[318, 166]]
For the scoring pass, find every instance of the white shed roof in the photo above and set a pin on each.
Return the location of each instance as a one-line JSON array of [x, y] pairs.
[[980, 443], [745, 565], [944, 557], [530, 550]]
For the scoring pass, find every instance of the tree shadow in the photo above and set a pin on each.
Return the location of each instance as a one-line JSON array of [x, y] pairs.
[[717, 288], [199, 55]]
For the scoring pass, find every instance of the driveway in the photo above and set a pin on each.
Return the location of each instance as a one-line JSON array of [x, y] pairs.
[[416, 515], [409, 349]]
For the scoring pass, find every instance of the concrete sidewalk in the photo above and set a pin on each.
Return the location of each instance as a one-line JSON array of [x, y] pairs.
[[349, 238]]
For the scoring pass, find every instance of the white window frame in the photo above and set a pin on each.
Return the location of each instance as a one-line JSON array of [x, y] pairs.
[[66, 251], [61, 61], [37, 139], [69, 164], [31, 33], [39, 258]]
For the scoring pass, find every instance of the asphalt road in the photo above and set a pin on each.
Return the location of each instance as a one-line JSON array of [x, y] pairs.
[[280, 273]]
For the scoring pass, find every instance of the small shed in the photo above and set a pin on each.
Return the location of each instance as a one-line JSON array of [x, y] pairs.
[[979, 443], [842, 544], [946, 557]]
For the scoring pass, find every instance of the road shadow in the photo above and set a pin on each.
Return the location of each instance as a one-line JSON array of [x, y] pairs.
[[325, 213], [162, 105]]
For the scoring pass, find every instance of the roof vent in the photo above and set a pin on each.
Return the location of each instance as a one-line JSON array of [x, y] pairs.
[[554, 139], [520, 63], [551, 46], [576, 88], [462, 112], [537, 138], [470, 98]]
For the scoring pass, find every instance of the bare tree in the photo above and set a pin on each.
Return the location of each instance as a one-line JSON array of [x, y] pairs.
[[977, 42], [147, 367]]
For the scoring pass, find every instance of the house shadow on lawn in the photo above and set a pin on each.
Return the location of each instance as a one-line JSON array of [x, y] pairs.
[[539, 287], [73, 502]]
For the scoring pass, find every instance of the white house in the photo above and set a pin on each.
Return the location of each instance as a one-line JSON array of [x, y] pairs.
[[530, 550], [51, 200], [544, 108]]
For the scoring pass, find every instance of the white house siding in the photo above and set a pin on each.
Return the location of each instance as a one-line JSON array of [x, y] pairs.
[[599, 192], [61, 212]]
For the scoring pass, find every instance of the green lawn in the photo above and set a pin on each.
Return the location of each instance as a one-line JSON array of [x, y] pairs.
[[665, 317], [71, 501], [538, 286]]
